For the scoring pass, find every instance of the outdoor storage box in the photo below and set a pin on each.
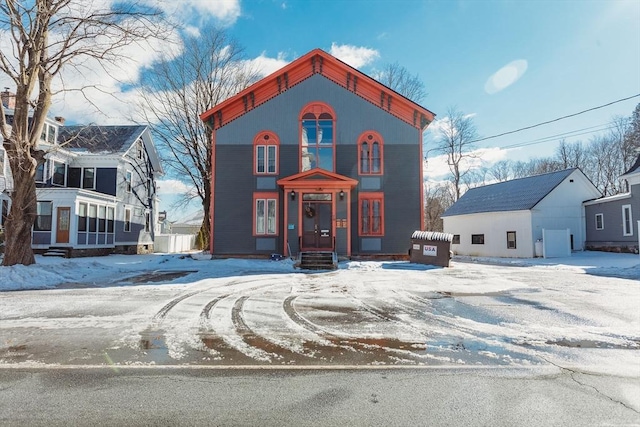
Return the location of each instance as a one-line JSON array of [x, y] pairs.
[[431, 247]]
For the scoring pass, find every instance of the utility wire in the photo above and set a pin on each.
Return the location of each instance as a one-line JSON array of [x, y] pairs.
[[555, 120], [569, 134]]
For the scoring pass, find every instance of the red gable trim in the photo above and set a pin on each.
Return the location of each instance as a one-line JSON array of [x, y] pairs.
[[319, 62], [310, 178]]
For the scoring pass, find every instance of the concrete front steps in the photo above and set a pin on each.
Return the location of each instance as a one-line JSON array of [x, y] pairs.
[[323, 260]]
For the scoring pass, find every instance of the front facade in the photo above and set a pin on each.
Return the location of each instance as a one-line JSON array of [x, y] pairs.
[[508, 218], [612, 222], [96, 190], [316, 157]]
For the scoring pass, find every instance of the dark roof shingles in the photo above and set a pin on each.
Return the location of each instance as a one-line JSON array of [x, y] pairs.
[[514, 195], [99, 139]]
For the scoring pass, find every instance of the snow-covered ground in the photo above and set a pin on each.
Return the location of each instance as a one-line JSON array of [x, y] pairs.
[[581, 311]]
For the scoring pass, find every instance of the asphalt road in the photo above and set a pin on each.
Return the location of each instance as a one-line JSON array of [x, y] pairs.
[[303, 397]]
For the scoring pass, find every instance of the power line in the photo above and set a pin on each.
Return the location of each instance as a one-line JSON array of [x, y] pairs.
[[555, 120], [569, 134]]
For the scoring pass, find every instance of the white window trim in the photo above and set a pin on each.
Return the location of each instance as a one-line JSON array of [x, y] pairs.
[[266, 171], [626, 232], [601, 221], [265, 219], [128, 178], [124, 220], [53, 173], [93, 185]]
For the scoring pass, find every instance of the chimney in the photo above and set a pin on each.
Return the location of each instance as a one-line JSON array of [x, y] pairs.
[[8, 99], [60, 120]]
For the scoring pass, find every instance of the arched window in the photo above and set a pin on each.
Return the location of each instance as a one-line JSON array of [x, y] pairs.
[[265, 157], [317, 143], [370, 154]]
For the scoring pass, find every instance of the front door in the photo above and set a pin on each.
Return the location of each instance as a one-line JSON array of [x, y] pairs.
[[62, 228], [316, 223]]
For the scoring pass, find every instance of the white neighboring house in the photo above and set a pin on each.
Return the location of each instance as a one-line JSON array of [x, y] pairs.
[[507, 218], [96, 191]]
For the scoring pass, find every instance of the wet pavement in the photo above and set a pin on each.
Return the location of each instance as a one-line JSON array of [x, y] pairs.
[[285, 320]]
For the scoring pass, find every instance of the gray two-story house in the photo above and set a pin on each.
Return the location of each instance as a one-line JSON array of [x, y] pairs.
[[613, 222], [96, 191], [316, 157]]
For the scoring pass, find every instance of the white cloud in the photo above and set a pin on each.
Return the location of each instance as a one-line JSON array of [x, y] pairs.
[[173, 186], [266, 65], [355, 56], [226, 12], [437, 167], [506, 76]]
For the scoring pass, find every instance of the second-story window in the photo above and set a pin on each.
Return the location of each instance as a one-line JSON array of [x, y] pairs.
[[88, 178], [2, 162], [48, 133], [59, 173], [40, 172], [266, 153], [370, 154], [128, 179], [317, 137]]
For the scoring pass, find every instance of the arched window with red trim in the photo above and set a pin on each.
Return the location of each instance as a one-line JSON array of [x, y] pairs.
[[370, 149], [265, 157], [317, 142]]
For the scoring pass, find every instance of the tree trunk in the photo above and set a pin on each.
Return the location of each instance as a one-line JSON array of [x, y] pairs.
[[21, 216], [204, 234]]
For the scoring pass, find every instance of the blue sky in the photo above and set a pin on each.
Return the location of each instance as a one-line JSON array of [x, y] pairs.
[[576, 54], [548, 59]]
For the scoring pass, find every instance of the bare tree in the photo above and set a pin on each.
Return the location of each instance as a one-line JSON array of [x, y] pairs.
[[176, 91], [438, 199], [398, 78], [45, 36], [501, 171], [571, 155], [456, 143]]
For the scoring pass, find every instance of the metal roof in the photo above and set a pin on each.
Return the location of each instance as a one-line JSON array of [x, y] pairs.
[[515, 195]]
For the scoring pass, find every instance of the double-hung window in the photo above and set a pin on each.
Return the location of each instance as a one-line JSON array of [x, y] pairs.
[[59, 173], [43, 216], [599, 221], [89, 178], [127, 219], [265, 206], [266, 154], [128, 181], [371, 214], [627, 221]]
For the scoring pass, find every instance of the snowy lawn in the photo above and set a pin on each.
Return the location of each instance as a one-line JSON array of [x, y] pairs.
[[581, 311]]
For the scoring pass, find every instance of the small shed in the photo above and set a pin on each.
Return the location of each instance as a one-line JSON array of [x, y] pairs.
[[431, 247]]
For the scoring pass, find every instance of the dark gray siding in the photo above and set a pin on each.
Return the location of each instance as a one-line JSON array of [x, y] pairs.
[[612, 234], [235, 182], [106, 180], [354, 116]]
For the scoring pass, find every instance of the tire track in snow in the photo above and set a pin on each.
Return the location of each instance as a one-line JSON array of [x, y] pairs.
[[162, 313], [256, 341], [366, 348]]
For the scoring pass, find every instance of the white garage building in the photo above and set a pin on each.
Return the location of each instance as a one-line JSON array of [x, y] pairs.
[[506, 219]]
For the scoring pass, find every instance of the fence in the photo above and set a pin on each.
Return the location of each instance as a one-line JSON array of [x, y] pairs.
[[174, 243]]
